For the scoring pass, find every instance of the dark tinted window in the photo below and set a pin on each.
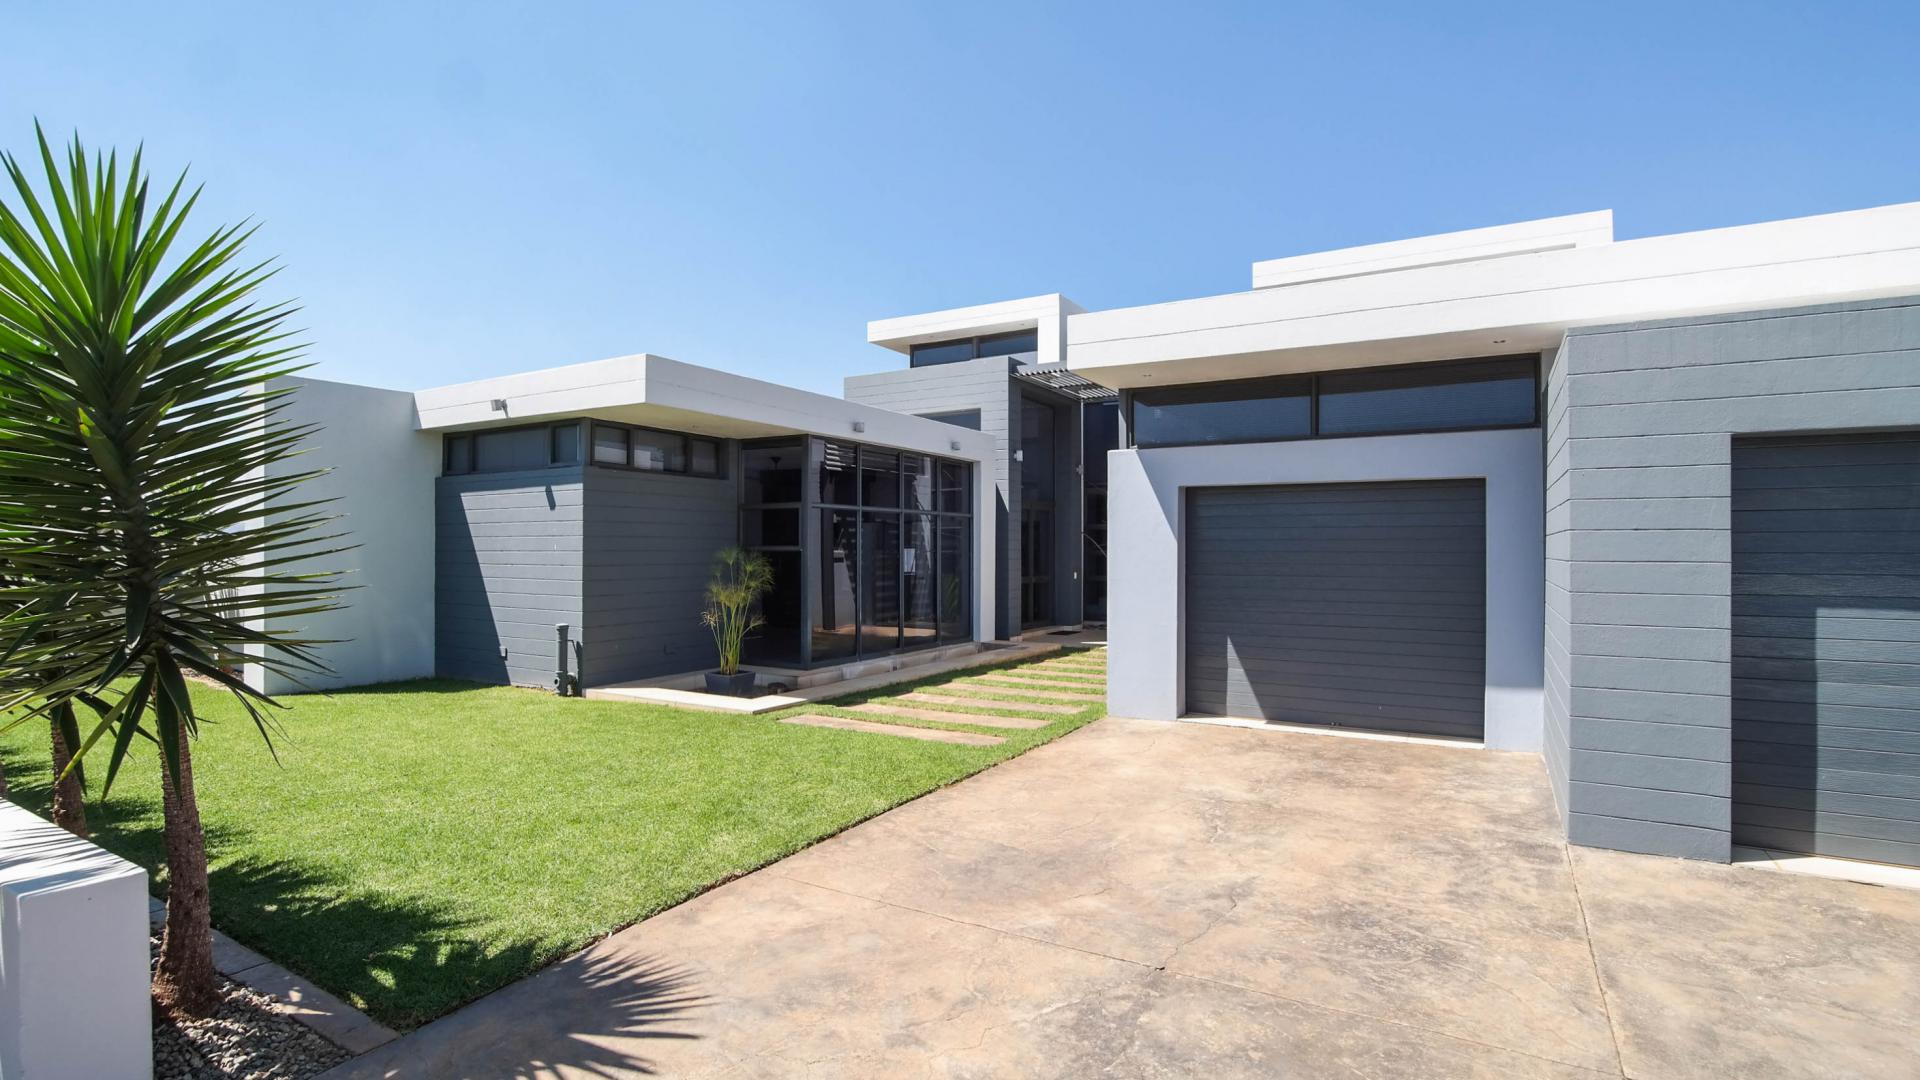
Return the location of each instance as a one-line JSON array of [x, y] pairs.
[[879, 582], [1488, 393], [1249, 410], [952, 478], [660, 451], [771, 528], [565, 439], [504, 451], [778, 642], [918, 582], [942, 352], [772, 473], [609, 445], [836, 611], [459, 454], [1100, 432], [879, 477], [954, 594], [703, 457], [1020, 341], [917, 476], [966, 418], [839, 473]]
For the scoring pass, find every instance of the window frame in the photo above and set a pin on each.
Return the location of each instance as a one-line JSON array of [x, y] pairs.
[[1314, 432]]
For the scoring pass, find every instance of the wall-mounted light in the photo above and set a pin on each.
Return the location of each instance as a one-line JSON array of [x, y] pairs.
[[499, 404], [859, 426], [953, 444]]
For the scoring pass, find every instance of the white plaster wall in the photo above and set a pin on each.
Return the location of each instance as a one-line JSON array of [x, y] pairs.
[[73, 957], [1146, 668], [382, 483]]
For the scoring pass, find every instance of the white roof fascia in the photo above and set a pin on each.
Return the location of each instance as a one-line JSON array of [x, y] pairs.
[[1442, 249], [606, 387], [903, 332], [1516, 303]]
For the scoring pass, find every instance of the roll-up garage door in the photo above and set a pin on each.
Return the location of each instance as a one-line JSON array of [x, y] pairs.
[[1350, 605], [1826, 645]]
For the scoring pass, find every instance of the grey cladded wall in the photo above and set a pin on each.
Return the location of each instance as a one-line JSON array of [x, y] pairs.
[[1642, 497], [985, 384], [1555, 744], [649, 539], [507, 567]]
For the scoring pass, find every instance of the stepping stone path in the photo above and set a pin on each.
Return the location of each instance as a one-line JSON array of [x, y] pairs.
[[1059, 686], [992, 703], [1050, 691], [965, 738], [949, 717]]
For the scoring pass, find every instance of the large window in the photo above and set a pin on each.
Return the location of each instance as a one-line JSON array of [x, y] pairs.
[[540, 446], [511, 449], [880, 542], [1493, 393], [1014, 343]]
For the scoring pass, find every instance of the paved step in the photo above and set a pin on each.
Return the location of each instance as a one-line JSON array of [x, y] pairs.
[[992, 703], [1014, 682], [949, 717], [965, 738]]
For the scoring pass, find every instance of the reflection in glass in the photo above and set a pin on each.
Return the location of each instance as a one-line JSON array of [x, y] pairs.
[[772, 474], [836, 610], [916, 481], [879, 477], [1492, 393], [954, 596], [879, 582], [1247, 410], [778, 642], [609, 445], [917, 576], [839, 473], [953, 488]]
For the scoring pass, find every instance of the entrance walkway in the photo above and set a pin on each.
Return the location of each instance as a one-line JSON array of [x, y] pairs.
[[1142, 899]]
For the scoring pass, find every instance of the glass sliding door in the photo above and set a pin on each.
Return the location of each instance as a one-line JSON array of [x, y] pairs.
[[918, 575], [836, 607]]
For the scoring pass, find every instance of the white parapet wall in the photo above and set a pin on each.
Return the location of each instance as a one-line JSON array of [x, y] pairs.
[[73, 957], [381, 483]]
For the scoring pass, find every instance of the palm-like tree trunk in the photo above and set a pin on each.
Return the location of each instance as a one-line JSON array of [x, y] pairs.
[[69, 798], [184, 981]]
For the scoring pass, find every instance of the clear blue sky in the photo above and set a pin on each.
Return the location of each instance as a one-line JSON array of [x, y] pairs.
[[472, 189]]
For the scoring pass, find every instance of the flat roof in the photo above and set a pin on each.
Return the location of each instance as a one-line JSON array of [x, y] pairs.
[[903, 332], [655, 391], [1401, 307]]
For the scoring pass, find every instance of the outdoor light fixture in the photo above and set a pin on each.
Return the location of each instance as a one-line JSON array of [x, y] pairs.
[[859, 426], [499, 404]]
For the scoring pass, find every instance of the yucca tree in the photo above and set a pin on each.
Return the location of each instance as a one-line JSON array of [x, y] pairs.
[[149, 519]]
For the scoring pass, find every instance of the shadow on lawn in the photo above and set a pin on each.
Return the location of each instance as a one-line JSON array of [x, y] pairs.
[[403, 961]]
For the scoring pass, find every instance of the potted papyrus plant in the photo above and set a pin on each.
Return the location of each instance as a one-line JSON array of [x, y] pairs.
[[738, 580]]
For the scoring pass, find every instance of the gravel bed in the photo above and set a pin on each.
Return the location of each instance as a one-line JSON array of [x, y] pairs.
[[243, 1038]]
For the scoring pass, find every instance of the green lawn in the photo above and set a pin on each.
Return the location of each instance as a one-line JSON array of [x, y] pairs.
[[421, 844]]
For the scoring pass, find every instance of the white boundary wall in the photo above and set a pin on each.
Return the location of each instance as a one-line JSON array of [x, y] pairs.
[[74, 1003]]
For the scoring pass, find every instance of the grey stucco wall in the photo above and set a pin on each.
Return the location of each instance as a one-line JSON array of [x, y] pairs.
[[648, 541], [985, 384], [1559, 542], [1651, 409], [507, 567]]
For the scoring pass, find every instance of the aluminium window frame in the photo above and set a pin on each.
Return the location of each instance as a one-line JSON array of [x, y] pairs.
[[1130, 440]]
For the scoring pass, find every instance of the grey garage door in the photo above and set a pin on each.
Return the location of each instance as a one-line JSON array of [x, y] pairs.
[[1826, 645], [1352, 605]]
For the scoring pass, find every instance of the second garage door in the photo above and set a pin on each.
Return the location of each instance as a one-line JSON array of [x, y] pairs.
[[1350, 605]]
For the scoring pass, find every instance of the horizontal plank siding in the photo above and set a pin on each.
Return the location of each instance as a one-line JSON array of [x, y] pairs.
[[507, 568], [1351, 605], [648, 543]]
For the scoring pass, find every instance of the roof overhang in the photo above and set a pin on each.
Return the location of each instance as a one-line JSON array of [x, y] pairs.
[[1509, 303], [654, 391], [901, 334]]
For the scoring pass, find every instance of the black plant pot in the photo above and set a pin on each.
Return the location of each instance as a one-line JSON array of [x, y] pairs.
[[738, 684]]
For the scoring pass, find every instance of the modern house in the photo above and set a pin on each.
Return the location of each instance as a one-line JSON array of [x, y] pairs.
[[512, 529], [1649, 508], [999, 369]]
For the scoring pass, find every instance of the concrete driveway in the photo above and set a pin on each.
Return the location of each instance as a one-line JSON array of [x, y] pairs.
[[1143, 899]]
